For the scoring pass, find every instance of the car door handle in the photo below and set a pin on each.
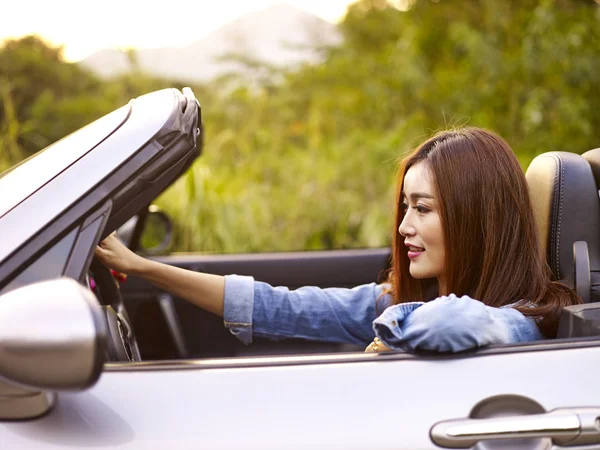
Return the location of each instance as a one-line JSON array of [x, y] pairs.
[[565, 426]]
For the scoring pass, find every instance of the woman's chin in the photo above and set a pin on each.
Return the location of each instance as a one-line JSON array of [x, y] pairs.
[[418, 272], [416, 275]]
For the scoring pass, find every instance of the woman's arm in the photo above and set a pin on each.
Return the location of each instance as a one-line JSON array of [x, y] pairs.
[[452, 324], [251, 308], [202, 289], [340, 315]]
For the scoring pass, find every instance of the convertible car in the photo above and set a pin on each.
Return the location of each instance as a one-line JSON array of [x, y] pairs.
[[86, 361]]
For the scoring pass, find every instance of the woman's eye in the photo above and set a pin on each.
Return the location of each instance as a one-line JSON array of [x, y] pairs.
[[419, 208]]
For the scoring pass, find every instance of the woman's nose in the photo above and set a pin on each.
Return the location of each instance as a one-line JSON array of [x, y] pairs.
[[406, 228]]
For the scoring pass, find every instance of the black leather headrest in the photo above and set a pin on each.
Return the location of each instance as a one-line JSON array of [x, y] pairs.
[[565, 200]]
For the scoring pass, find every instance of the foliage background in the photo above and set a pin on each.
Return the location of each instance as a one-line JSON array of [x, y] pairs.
[[305, 157]]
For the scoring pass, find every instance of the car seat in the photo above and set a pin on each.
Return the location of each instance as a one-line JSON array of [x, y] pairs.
[[593, 159], [564, 193]]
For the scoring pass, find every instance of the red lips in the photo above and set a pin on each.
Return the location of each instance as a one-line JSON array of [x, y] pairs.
[[414, 251]]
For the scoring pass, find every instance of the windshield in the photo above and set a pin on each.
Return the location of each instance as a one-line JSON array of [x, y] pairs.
[[25, 178]]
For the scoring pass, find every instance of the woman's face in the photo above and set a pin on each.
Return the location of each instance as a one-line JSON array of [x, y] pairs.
[[422, 227]]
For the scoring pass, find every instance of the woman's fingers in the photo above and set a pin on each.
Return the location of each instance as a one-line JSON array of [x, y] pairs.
[[112, 253]]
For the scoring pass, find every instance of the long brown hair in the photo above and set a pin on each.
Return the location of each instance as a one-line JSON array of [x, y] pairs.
[[492, 248]]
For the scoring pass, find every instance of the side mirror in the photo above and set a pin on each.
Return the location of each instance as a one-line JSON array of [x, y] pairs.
[[157, 233], [52, 338]]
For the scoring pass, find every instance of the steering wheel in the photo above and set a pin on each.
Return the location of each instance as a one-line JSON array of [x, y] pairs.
[[121, 345]]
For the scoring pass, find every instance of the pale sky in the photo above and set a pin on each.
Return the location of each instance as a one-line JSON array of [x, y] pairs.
[[84, 26]]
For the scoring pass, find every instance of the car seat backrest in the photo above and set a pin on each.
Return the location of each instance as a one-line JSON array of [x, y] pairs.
[[565, 201]]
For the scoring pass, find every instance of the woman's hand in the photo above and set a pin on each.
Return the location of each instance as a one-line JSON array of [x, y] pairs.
[[377, 346], [112, 253], [204, 290]]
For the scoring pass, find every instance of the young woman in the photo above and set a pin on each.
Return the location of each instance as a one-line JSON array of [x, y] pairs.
[[467, 267]]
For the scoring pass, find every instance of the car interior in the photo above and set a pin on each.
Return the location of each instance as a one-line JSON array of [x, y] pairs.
[[168, 327], [564, 188]]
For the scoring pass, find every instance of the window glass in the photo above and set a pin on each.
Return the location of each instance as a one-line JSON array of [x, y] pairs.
[[47, 266]]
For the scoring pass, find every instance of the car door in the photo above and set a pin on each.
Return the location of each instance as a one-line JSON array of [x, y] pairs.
[[350, 401]]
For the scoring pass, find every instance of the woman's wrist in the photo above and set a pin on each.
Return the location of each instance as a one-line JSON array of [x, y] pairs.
[[139, 267]]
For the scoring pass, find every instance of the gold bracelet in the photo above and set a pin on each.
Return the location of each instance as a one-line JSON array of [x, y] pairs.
[[376, 342]]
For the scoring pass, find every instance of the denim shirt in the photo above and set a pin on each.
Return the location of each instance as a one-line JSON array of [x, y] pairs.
[[357, 315]]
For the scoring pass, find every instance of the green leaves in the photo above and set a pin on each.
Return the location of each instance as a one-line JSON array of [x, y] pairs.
[[304, 158]]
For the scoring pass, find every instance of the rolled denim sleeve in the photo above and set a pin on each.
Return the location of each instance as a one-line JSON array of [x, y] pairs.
[[335, 315], [452, 324], [238, 305]]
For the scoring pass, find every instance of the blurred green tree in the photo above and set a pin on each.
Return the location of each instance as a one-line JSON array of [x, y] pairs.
[[44, 97], [304, 157]]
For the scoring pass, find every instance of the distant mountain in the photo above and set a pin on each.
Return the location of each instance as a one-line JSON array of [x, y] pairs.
[[281, 35]]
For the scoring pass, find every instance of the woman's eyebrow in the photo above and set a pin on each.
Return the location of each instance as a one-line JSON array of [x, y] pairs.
[[414, 196]]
